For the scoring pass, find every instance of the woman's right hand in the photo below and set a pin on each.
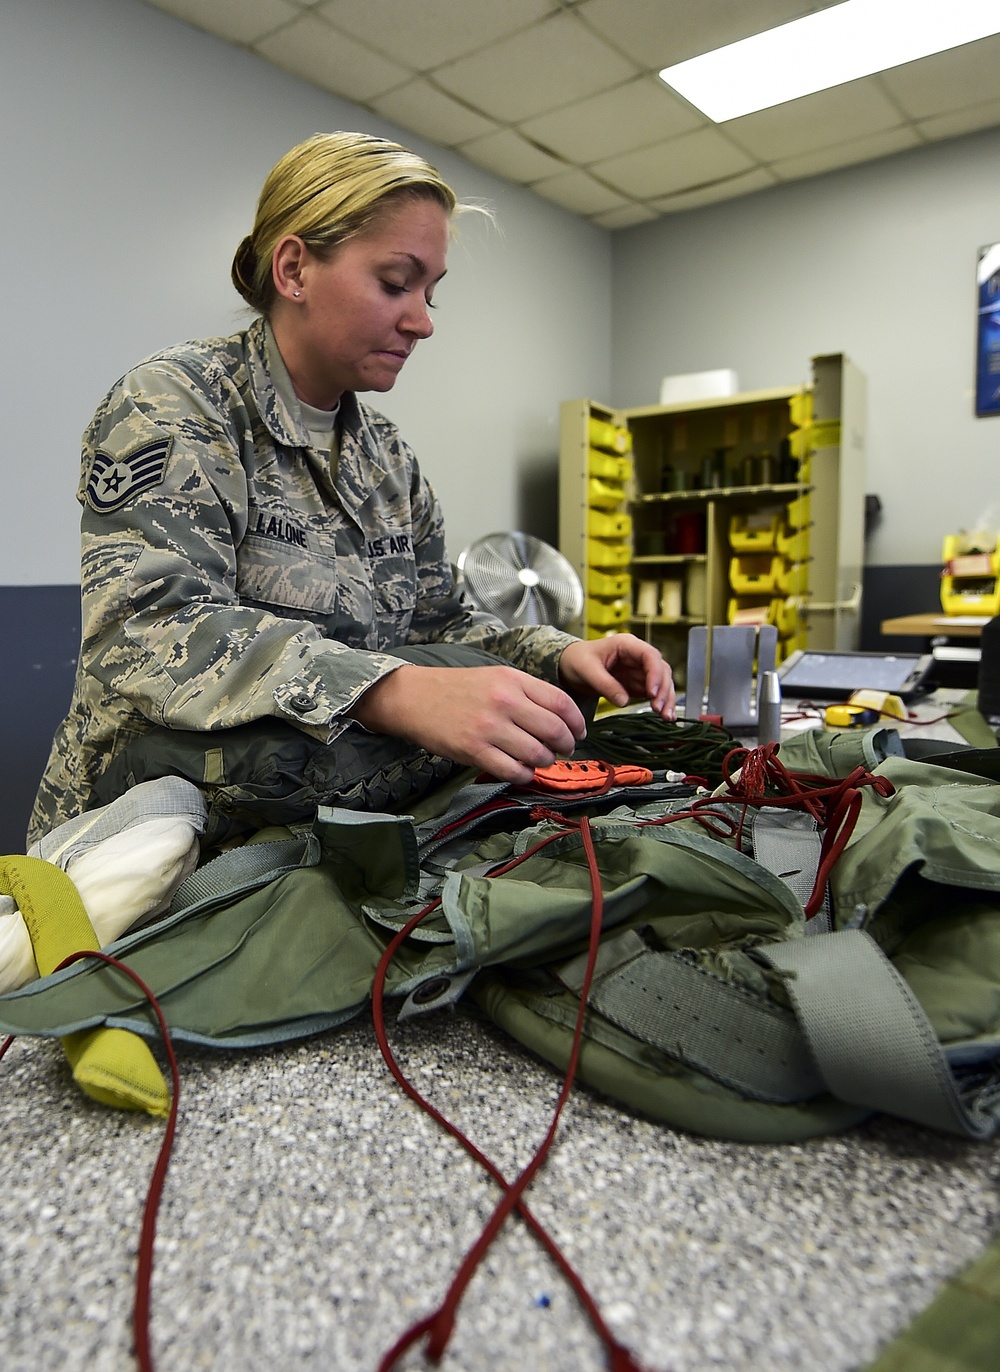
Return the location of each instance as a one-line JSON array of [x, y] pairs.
[[498, 719]]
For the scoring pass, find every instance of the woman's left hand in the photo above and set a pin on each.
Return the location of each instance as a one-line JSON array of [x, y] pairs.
[[619, 668]]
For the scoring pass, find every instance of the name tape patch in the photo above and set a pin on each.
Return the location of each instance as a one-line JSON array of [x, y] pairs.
[[114, 481], [390, 546]]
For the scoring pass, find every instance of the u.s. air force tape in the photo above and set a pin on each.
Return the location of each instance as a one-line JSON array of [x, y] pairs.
[[114, 481]]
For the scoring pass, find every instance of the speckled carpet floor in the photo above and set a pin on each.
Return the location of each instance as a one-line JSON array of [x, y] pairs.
[[311, 1213]]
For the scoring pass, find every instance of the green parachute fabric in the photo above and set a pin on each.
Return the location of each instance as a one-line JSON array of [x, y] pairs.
[[282, 938]]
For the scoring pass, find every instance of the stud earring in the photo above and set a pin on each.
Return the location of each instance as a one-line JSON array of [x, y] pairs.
[[296, 293]]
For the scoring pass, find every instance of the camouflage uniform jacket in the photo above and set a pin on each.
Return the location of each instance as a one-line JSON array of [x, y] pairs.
[[228, 574]]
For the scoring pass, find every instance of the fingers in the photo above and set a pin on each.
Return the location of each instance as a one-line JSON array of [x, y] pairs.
[[565, 724], [620, 667], [495, 718], [524, 724]]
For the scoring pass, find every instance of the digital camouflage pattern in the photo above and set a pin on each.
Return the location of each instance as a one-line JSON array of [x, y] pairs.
[[228, 574]]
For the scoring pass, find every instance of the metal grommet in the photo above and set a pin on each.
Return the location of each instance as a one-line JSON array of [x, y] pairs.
[[431, 990]]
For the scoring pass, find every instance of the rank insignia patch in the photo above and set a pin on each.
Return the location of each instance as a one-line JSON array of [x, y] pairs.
[[113, 482]]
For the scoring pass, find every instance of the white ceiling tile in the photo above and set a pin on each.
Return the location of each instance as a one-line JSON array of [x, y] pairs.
[[657, 33], [641, 112], [538, 69], [423, 109], [243, 23], [576, 80], [947, 81], [512, 156], [311, 48], [985, 116], [580, 193], [681, 164], [757, 180], [424, 33], [626, 218], [846, 154], [834, 116]]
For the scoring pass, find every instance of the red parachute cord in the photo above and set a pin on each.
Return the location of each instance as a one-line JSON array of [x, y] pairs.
[[439, 1325], [835, 805], [144, 1268]]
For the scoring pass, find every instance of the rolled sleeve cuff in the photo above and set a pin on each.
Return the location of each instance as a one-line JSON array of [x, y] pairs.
[[319, 696]]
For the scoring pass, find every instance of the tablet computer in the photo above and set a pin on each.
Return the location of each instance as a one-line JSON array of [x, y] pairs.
[[825, 674]]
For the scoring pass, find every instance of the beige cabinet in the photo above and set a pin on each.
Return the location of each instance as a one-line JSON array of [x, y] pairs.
[[747, 509]]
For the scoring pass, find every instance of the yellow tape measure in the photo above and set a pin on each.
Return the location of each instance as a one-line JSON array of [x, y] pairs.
[[849, 717]]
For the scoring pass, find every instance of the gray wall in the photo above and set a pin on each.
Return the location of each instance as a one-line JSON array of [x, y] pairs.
[[876, 261], [134, 148], [133, 151]]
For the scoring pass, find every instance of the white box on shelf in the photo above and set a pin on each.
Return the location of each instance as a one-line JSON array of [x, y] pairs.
[[678, 390]]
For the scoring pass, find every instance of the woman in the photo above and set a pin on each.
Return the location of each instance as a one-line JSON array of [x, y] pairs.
[[260, 548]]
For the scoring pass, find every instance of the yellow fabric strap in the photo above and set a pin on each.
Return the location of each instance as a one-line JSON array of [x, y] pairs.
[[112, 1066]]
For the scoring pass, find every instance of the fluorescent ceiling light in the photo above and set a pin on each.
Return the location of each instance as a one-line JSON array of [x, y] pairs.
[[842, 43]]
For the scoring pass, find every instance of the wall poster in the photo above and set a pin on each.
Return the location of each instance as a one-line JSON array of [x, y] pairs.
[[988, 331]]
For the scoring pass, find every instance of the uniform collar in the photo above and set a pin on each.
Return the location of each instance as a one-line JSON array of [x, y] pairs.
[[284, 423]]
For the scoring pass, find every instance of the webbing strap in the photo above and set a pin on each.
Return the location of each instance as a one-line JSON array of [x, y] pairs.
[[239, 869], [738, 1038], [868, 1033], [789, 844]]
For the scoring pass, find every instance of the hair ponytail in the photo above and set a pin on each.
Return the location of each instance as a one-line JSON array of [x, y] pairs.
[[244, 269]]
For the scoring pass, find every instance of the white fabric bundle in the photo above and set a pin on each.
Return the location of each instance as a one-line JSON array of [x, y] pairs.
[[126, 860]]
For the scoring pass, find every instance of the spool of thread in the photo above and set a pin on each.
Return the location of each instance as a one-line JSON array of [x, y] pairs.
[[647, 599], [695, 598], [689, 533], [671, 599]]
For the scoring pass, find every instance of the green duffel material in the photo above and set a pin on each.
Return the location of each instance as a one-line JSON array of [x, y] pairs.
[[716, 1006]]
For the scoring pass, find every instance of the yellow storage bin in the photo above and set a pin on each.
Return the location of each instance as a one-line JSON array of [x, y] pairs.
[[606, 556], [608, 465], [980, 565], [604, 495], [964, 555], [754, 574], [612, 438], [750, 610], [792, 578], [612, 584], [601, 525], [800, 408], [970, 595], [798, 443], [965, 545], [755, 532], [603, 614], [797, 513], [787, 616], [793, 544]]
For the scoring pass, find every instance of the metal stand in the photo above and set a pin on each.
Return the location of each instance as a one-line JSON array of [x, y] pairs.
[[720, 672]]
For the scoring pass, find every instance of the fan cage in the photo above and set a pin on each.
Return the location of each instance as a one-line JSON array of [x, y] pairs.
[[521, 579]]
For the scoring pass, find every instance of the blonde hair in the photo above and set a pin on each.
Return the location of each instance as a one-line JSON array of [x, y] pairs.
[[330, 188]]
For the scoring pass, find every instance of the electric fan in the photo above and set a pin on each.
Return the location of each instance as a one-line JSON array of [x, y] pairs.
[[521, 580]]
